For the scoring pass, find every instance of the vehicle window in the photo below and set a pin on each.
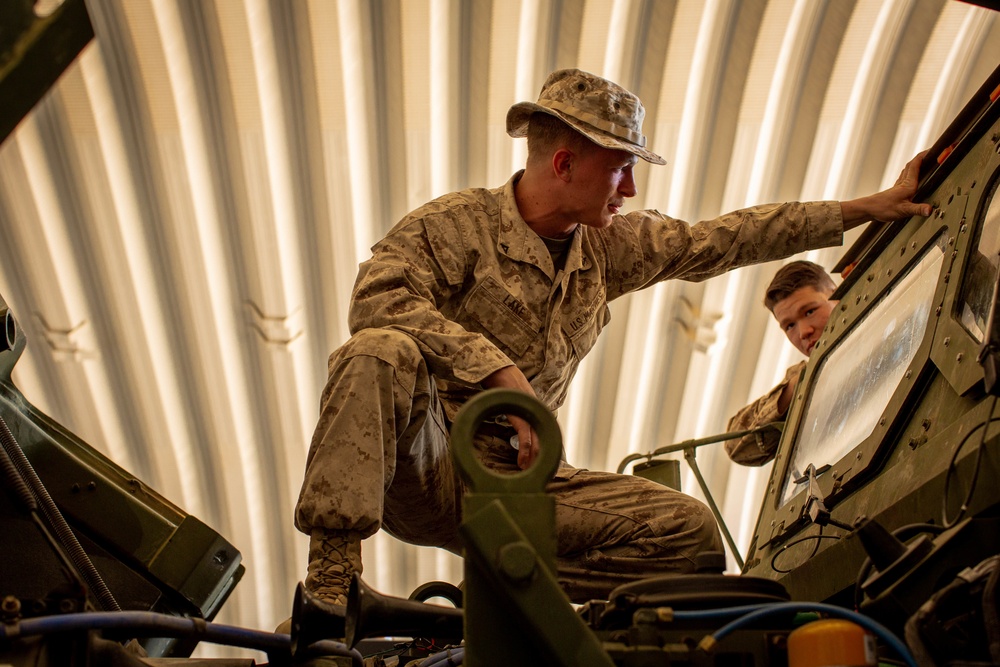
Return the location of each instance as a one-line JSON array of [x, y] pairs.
[[855, 381], [981, 272]]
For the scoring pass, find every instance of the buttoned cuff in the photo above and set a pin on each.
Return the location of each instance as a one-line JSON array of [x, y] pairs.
[[824, 224]]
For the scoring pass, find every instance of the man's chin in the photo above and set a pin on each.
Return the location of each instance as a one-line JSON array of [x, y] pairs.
[[602, 223]]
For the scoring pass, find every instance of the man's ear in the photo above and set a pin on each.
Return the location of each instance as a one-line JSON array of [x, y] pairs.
[[563, 161]]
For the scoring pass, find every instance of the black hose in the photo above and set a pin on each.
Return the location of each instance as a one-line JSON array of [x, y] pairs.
[[945, 521], [152, 624], [786, 547], [63, 533]]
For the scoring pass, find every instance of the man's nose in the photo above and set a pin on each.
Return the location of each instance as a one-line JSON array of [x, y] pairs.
[[627, 186]]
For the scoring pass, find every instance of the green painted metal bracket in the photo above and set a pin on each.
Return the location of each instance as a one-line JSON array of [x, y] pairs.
[[515, 611], [153, 554], [545, 628]]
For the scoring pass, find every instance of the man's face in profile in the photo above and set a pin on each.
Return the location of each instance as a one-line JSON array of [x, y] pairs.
[[802, 316]]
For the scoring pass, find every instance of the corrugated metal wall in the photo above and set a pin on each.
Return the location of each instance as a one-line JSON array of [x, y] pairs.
[[182, 217]]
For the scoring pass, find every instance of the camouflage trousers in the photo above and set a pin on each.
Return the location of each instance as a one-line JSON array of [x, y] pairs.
[[380, 458]]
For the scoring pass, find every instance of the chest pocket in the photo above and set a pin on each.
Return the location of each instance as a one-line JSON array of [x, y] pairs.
[[502, 316], [583, 327]]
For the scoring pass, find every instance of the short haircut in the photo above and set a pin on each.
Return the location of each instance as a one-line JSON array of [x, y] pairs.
[[794, 276], [546, 133]]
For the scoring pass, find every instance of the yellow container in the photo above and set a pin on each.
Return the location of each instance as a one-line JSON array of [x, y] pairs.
[[831, 642]]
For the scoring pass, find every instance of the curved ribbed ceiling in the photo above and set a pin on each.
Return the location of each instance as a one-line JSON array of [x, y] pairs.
[[183, 215]]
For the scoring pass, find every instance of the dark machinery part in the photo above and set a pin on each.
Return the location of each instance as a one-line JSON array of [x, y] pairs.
[[929, 442], [372, 614], [960, 623], [891, 557], [76, 631], [151, 555], [67, 543], [34, 52], [313, 620], [642, 623], [903, 584], [665, 471], [35, 546], [375, 615], [815, 509]]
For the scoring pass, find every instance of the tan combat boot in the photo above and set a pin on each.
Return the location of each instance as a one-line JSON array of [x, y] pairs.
[[334, 556]]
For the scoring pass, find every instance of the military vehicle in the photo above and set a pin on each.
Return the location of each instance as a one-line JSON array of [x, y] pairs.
[[882, 496], [883, 492], [881, 510]]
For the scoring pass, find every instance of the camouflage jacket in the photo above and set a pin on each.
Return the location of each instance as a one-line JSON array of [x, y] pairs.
[[475, 287], [759, 448]]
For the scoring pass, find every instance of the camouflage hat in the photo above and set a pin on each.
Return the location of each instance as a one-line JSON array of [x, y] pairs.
[[602, 111]]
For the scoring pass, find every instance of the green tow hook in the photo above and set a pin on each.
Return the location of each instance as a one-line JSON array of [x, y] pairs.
[[515, 611]]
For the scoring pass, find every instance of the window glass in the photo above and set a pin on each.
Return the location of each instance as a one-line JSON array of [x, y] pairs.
[[981, 272], [855, 381]]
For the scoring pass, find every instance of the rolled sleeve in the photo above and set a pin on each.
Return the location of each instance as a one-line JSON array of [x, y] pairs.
[[756, 449]]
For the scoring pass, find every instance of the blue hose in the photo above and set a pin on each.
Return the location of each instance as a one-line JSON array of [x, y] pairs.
[[878, 629], [151, 624], [456, 656], [744, 615], [145, 623], [721, 612]]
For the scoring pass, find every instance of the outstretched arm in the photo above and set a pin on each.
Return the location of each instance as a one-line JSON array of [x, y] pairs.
[[892, 204]]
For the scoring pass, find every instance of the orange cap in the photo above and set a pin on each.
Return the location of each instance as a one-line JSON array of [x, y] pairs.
[[831, 641]]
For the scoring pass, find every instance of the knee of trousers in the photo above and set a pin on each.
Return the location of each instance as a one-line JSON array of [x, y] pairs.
[[705, 527], [697, 524], [394, 348]]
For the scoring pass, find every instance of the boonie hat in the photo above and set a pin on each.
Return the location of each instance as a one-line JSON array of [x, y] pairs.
[[599, 109]]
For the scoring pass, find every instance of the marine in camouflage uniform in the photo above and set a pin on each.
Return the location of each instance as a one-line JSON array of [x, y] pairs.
[[799, 298], [464, 291]]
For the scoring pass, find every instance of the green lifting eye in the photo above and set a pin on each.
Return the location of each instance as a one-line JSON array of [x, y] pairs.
[[491, 403]]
